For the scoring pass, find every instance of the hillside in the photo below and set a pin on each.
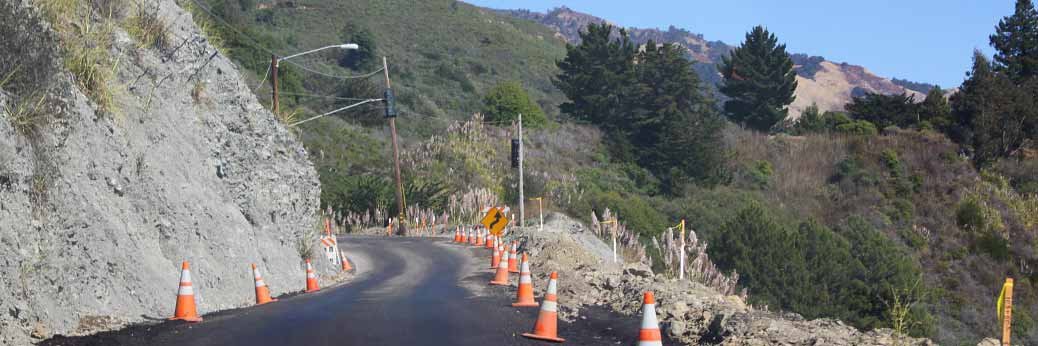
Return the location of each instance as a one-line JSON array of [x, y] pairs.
[[121, 157], [893, 196], [828, 84]]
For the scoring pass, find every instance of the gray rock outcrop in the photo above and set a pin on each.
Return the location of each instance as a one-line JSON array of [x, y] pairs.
[[98, 209]]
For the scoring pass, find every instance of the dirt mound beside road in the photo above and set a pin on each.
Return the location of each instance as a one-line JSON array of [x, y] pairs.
[[689, 312]]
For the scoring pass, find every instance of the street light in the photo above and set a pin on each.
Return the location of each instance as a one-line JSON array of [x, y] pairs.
[[340, 46], [274, 60]]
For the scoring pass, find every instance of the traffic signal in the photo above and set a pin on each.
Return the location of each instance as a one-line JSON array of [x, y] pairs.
[[515, 153], [390, 102]]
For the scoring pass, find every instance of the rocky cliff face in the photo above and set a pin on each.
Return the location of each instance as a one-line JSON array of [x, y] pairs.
[[829, 85], [99, 208]]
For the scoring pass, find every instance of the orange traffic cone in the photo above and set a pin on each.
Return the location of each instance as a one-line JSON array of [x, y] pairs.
[[524, 297], [513, 259], [475, 238], [491, 242], [311, 279], [546, 327], [501, 279], [457, 235], [185, 309], [262, 292], [495, 257], [345, 262], [650, 333], [482, 239], [464, 236]]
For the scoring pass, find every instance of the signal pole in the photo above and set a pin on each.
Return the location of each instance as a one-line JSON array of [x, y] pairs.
[[522, 201], [391, 114]]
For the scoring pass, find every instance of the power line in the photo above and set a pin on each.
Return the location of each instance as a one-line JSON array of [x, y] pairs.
[[366, 75], [322, 96]]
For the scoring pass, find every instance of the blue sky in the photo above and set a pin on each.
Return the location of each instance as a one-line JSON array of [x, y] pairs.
[[921, 40]]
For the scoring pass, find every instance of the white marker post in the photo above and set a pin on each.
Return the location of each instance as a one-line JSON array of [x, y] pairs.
[[681, 259]]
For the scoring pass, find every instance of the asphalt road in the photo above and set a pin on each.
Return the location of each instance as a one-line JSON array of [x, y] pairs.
[[410, 291]]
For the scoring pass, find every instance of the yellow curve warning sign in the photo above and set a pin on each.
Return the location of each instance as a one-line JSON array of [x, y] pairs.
[[495, 221]]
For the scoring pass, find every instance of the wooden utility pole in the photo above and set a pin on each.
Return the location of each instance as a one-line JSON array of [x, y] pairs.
[[396, 149], [274, 83], [522, 200]]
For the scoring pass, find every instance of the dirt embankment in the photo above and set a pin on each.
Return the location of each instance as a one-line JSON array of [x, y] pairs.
[[99, 204]]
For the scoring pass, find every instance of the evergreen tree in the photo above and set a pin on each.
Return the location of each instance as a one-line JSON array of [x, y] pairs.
[[672, 125], [990, 113], [363, 58], [1016, 43], [763, 252], [885, 110], [594, 75], [935, 109], [506, 100], [759, 79], [810, 121]]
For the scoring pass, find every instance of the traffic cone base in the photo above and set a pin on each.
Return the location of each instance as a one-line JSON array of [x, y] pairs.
[[185, 309], [545, 338]]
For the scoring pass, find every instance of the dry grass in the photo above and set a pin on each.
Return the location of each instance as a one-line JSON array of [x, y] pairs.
[[27, 114], [198, 93], [287, 117], [148, 27], [307, 240], [85, 44]]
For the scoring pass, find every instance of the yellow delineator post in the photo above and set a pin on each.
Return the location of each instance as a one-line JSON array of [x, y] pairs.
[[1005, 310]]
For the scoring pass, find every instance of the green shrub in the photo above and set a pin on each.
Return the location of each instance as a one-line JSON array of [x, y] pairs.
[[505, 101], [849, 274], [901, 210], [973, 214], [858, 127], [760, 173], [994, 245], [891, 161]]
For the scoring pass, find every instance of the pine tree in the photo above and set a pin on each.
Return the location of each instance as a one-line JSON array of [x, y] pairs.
[[935, 109], [990, 113], [1016, 43], [594, 74], [759, 79], [671, 124], [885, 110], [364, 57], [810, 121]]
